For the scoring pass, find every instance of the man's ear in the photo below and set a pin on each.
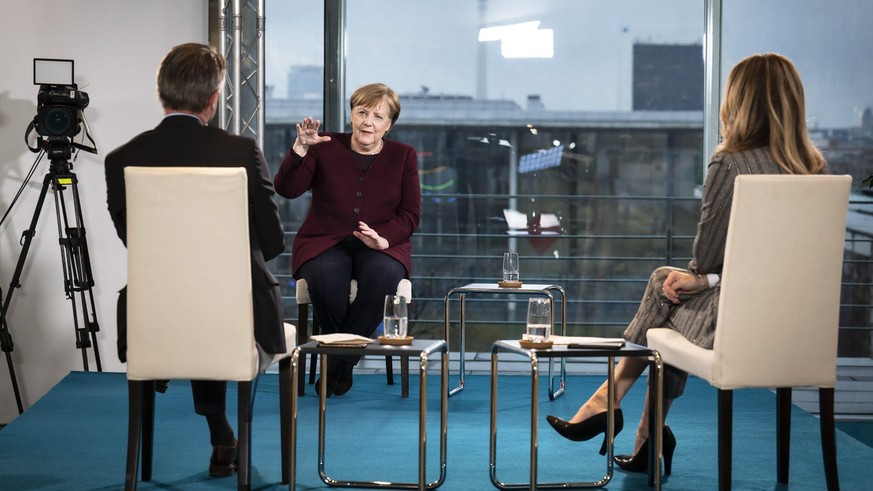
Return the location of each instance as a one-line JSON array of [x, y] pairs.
[[213, 99]]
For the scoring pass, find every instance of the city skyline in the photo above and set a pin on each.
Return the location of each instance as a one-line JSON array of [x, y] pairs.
[[592, 65]]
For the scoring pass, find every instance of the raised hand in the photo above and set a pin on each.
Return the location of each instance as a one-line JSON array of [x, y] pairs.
[[307, 135]]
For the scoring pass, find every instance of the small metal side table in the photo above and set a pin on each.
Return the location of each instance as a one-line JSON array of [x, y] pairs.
[[655, 417], [547, 291], [421, 348]]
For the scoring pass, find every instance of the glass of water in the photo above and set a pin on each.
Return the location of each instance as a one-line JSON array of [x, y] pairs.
[[396, 319], [510, 267], [539, 320]]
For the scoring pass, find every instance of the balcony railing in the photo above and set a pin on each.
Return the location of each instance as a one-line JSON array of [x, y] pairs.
[[602, 256]]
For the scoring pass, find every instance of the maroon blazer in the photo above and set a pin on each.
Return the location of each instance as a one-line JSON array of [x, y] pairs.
[[387, 197]]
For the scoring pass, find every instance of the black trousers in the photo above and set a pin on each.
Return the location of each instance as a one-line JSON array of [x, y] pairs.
[[209, 396], [329, 276]]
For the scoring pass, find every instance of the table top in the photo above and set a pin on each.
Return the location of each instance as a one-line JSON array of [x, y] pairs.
[[495, 288], [417, 347], [562, 351]]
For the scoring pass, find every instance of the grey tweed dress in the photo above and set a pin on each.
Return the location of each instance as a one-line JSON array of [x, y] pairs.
[[695, 318]]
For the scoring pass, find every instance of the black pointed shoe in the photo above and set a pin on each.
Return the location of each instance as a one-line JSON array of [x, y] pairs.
[[588, 429], [640, 461]]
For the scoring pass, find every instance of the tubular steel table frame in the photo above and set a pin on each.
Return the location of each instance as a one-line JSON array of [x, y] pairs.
[[493, 288], [422, 348], [655, 404]]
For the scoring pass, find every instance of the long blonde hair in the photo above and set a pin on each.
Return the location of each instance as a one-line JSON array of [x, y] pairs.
[[763, 106]]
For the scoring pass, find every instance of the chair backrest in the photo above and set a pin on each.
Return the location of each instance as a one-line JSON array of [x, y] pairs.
[[189, 306], [778, 312]]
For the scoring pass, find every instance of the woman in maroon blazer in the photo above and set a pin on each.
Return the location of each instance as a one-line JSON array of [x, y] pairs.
[[365, 205]]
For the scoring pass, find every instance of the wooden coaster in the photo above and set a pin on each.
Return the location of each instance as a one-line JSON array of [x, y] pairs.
[[395, 341], [528, 344], [509, 284]]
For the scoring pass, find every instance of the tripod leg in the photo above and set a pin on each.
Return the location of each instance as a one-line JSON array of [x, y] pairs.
[[86, 278], [6, 346], [26, 238], [77, 266]]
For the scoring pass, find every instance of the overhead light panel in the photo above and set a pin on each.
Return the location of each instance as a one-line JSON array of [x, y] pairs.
[[522, 40]]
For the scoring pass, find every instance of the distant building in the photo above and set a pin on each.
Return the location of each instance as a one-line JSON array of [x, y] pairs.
[[668, 77], [867, 123]]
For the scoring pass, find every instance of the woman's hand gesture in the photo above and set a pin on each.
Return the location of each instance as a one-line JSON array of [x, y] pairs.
[[307, 135], [679, 284], [370, 237]]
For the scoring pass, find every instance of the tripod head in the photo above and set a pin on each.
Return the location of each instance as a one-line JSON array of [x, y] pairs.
[[59, 151]]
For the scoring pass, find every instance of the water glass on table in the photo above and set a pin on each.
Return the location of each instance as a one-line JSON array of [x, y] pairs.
[[510, 267], [539, 320], [395, 319]]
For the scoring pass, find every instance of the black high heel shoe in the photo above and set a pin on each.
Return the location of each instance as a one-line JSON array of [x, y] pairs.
[[588, 429], [640, 461]]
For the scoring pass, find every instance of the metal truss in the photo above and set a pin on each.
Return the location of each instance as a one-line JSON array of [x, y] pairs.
[[241, 26]]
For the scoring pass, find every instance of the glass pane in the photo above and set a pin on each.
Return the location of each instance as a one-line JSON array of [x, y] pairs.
[[827, 42], [294, 75], [584, 115], [569, 55]]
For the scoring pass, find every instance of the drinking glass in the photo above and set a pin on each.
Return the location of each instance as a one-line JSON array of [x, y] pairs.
[[510, 266], [395, 319], [539, 320]]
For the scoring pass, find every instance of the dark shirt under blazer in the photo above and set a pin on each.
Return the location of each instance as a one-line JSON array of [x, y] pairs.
[[182, 141], [387, 196]]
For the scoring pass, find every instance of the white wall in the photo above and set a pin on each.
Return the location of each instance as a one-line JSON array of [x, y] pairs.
[[116, 45]]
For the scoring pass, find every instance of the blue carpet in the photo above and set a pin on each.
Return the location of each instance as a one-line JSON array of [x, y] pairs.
[[860, 430], [74, 439]]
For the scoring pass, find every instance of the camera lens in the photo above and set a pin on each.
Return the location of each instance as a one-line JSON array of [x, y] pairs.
[[58, 121]]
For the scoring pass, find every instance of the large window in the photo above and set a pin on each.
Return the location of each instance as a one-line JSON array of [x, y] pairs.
[[584, 115], [829, 44]]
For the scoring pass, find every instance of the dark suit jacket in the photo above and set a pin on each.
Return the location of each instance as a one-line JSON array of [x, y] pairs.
[[387, 197], [181, 140]]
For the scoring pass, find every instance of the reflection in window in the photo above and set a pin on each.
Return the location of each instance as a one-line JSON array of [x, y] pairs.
[[604, 134]]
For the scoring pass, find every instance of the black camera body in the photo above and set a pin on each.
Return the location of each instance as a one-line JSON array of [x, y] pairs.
[[58, 110]]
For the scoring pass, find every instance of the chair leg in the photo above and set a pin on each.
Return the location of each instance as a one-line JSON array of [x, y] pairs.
[[302, 329], [148, 429], [285, 414], [134, 428], [828, 436], [313, 360], [783, 433], [725, 438], [652, 395], [244, 408], [389, 369], [313, 369], [404, 376]]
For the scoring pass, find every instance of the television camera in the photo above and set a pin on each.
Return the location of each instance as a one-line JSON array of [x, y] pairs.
[[59, 118], [60, 110]]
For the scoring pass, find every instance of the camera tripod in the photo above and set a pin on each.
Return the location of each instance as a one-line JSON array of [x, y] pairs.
[[78, 280]]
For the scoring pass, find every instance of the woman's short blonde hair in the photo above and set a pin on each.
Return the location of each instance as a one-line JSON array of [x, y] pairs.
[[764, 106], [372, 94]]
